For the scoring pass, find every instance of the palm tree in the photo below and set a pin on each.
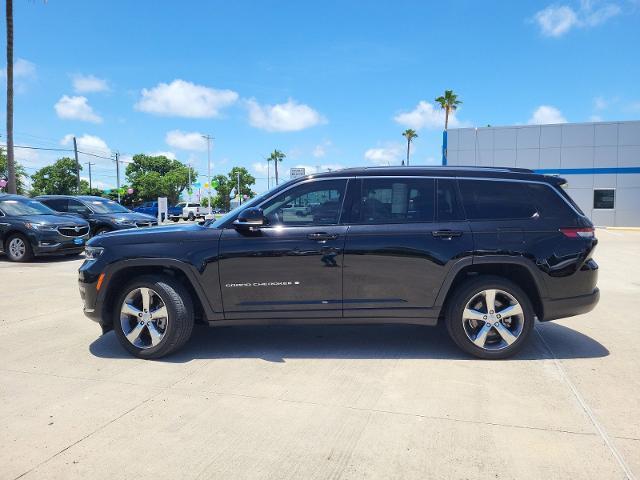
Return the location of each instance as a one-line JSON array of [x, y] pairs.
[[449, 103], [409, 134], [11, 166], [276, 156]]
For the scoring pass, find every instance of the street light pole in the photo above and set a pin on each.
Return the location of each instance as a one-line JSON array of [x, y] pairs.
[[208, 138], [90, 184]]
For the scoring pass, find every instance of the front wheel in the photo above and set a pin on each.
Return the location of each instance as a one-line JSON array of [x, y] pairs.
[[490, 317], [153, 316], [18, 248]]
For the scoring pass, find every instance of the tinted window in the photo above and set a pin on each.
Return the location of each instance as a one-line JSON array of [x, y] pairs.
[[58, 204], [496, 200], [397, 200], [77, 207], [604, 198], [548, 202], [107, 206], [449, 208], [314, 203]]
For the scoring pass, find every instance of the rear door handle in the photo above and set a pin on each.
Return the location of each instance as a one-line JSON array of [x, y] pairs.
[[446, 234], [322, 236]]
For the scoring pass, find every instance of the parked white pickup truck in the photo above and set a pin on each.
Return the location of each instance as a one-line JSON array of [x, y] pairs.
[[190, 211]]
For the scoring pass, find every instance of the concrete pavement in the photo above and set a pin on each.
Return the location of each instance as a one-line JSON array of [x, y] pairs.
[[348, 402]]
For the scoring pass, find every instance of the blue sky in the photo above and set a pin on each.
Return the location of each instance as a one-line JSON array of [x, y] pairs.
[[331, 83]]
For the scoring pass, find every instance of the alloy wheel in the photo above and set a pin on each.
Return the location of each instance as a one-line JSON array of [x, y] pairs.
[[493, 319], [17, 248], [144, 318]]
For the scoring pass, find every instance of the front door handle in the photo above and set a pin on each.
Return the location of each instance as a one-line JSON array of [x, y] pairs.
[[446, 234], [322, 236]]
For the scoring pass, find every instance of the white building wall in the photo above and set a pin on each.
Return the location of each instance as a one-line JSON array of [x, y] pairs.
[[562, 149]]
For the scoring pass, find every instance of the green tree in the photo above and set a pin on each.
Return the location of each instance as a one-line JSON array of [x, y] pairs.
[[449, 103], [409, 134], [57, 179], [158, 176], [20, 173], [226, 184], [275, 157]]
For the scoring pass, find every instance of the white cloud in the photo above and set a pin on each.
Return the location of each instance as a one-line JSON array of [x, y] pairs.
[[185, 99], [169, 155], [390, 154], [600, 103], [547, 114], [24, 72], [76, 108], [186, 140], [320, 150], [88, 143], [260, 167], [283, 117], [89, 84], [426, 115], [556, 20]]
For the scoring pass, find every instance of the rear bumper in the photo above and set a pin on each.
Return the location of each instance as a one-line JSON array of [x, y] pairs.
[[568, 307]]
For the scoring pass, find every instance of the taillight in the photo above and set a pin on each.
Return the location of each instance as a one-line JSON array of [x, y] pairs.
[[582, 232]]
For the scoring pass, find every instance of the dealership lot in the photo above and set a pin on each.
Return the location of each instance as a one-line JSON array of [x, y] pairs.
[[317, 402]]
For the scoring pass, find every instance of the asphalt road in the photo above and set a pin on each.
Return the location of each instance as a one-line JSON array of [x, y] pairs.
[[341, 402]]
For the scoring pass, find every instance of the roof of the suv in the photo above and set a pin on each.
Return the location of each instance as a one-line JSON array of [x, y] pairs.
[[80, 197], [438, 171]]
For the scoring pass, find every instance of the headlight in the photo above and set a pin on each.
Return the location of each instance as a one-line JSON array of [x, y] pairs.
[[43, 227], [125, 221], [91, 253]]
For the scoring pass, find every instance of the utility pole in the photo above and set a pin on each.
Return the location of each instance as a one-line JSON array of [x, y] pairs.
[[189, 187], [75, 152], [239, 194], [118, 175], [90, 184], [208, 138]]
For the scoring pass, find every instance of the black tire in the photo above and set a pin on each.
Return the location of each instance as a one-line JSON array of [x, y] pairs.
[[180, 315], [191, 217], [465, 293], [28, 250], [101, 230], [175, 219]]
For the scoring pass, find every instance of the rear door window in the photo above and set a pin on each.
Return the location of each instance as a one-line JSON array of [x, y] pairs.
[[449, 204], [397, 200], [57, 204], [497, 200]]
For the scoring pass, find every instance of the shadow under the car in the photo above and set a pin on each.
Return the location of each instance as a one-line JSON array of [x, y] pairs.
[[278, 343]]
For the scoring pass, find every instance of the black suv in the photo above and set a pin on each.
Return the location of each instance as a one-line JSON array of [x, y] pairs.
[[103, 215], [486, 250], [28, 228]]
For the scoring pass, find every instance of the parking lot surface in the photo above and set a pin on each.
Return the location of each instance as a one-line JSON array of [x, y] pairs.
[[339, 402]]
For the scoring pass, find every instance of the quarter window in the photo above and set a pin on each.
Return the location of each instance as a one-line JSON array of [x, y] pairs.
[[604, 199], [313, 203], [397, 200], [496, 200]]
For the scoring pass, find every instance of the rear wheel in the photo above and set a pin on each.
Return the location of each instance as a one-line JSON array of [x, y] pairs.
[[490, 317], [18, 248], [153, 316]]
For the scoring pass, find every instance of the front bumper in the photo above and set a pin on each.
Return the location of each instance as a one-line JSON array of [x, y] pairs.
[[568, 307], [54, 243]]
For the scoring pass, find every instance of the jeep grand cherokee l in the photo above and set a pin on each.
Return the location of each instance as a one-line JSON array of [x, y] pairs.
[[28, 228], [485, 250]]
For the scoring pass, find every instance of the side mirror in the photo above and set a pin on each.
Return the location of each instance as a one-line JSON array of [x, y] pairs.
[[250, 220]]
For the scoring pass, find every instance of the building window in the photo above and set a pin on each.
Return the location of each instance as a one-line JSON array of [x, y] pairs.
[[604, 199]]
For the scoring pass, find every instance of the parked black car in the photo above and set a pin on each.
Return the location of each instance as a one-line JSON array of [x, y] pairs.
[[28, 228], [103, 214], [486, 250]]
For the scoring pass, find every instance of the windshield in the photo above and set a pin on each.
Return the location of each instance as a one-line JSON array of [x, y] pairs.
[[181, 204], [24, 207], [107, 206], [250, 203]]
